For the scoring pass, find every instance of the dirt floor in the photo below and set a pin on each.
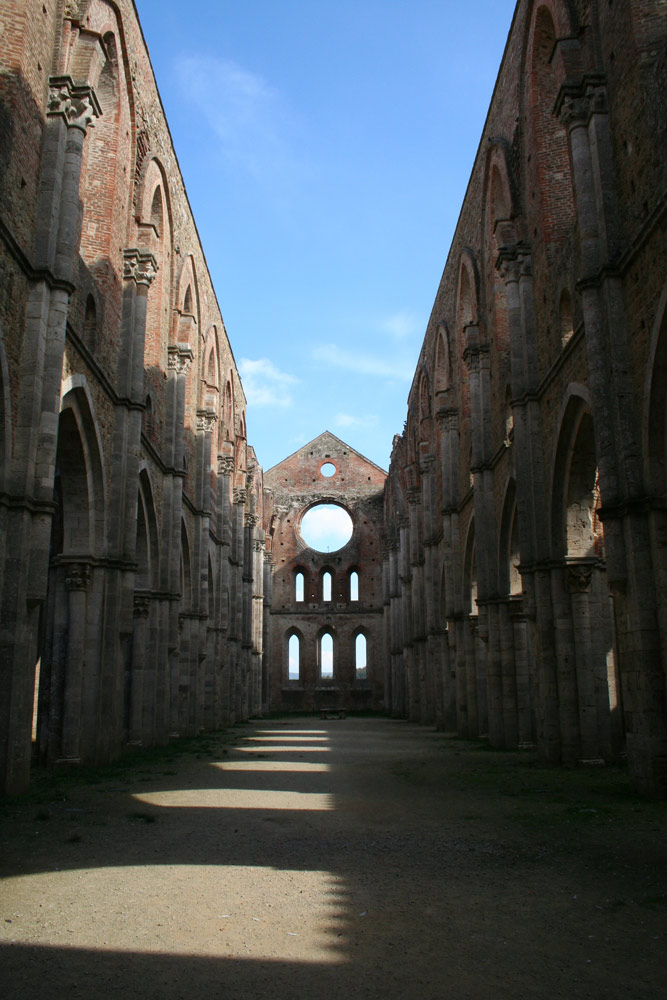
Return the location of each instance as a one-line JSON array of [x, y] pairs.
[[363, 857]]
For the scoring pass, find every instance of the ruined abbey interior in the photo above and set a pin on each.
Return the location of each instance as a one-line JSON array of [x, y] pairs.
[[505, 578]]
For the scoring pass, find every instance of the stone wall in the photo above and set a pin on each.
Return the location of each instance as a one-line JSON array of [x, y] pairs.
[[131, 592], [525, 498], [305, 610]]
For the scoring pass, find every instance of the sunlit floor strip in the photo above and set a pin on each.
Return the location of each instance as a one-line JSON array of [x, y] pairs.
[[219, 911], [286, 766], [301, 748], [285, 738], [287, 733], [237, 798]]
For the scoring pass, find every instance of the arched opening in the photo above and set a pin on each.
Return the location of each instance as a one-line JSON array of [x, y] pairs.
[[64, 667], [360, 657], [326, 527], [157, 211], [354, 585], [550, 198], [326, 585], [187, 301], [299, 586], [584, 532], [470, 573], [294, 657], [326, 656]]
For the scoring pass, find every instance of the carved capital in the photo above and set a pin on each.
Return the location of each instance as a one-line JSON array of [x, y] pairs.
[[414, 495], [206, 420], [513, 263], [403, 521], [426, 464], [575, 106], [76, 104], [448, 418], [579, 577], [225, 465], [77, 576], [142, 606], [179, 358], [258, 545], [268, 558], [239, 495], [139, 266], [250, 520]]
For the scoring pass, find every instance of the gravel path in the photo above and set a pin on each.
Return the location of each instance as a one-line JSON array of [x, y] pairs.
[[338, 859]]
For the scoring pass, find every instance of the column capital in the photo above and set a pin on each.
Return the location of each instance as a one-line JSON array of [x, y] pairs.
[[179, 358], [77, 576], [75, 103], [139, 266], [447, 417], [225, 465], [142, 606], [250, 520], [240, 495], [206, 420], [413, 495], [514, 262], [576, 103], [579, 577]]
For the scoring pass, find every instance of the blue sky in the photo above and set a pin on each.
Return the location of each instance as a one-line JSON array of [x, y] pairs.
[[326, 147]]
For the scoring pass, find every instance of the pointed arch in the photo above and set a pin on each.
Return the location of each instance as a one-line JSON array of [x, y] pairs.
[[186, 569], [509, 555], [80, 471], [442, 365], [576, 527], [470, 572], [148, 560]]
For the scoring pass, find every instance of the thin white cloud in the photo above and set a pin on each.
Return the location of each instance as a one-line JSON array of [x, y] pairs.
[[364, 364], [266, 385], [400, 325], [250, 117], [349, 420]]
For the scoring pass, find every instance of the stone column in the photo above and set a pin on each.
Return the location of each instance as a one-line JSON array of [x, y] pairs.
[[515, 267], [23, 578], [179, 360], [267, 632], [204, 680], [142, 680], [77, 578], [240, 497], [584, 112]]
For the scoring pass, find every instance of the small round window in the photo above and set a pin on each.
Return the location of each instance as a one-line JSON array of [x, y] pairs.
[[328, 469], [326, 527]]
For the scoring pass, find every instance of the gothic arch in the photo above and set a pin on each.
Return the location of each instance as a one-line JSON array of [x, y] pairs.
[[470, 572], [186, 570], [509, 555], [148, 548], [549, 194], [442, 364], [575, 527], [79, 459]]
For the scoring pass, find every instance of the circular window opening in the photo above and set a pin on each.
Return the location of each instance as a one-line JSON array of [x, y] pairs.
[[326, 527], [328, 469]]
